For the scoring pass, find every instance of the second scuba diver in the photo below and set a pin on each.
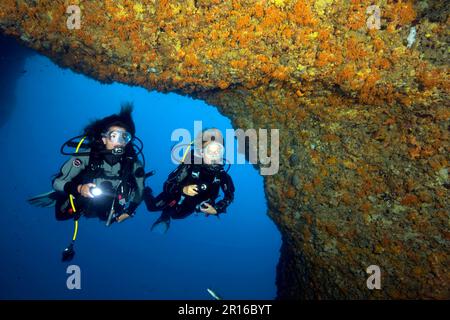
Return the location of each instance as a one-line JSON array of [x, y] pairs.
[[194, 186]]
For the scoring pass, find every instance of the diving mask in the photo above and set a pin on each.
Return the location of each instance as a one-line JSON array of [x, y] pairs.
[[214, 152], [119, 136]]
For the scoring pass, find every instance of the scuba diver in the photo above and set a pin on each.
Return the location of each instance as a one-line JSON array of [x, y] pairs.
[[106, 180], [195, 184]]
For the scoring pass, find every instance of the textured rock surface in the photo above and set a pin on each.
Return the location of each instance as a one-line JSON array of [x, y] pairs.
[[364, 120]]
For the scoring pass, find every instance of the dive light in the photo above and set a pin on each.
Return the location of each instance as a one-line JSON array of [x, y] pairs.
[[95, 191]]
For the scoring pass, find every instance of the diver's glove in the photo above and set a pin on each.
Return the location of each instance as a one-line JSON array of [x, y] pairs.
[[221, 206], [124, 216], [206, 208]]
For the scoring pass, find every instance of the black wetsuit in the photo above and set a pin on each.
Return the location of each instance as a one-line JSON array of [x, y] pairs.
[[176, 205]]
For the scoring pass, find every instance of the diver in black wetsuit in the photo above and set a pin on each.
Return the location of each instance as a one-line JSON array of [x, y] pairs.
[[195, 185]]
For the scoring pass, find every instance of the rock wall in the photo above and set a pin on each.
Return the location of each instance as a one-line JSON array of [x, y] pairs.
[[363, 114]]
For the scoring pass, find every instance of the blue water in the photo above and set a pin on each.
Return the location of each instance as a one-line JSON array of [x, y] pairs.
[[235, 255]]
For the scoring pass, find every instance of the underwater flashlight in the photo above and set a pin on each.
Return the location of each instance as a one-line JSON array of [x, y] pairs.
[[68, 252], [96, 191]]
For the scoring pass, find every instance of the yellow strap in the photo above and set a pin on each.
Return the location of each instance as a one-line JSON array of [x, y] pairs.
[[79, 145], [75, 232], [71, 203], [186, 152], [71, 197]]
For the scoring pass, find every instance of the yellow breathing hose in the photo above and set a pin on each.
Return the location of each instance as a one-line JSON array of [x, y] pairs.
[[75, 232], [71, 203], [187, 151], [71, 197], [79, 145]]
